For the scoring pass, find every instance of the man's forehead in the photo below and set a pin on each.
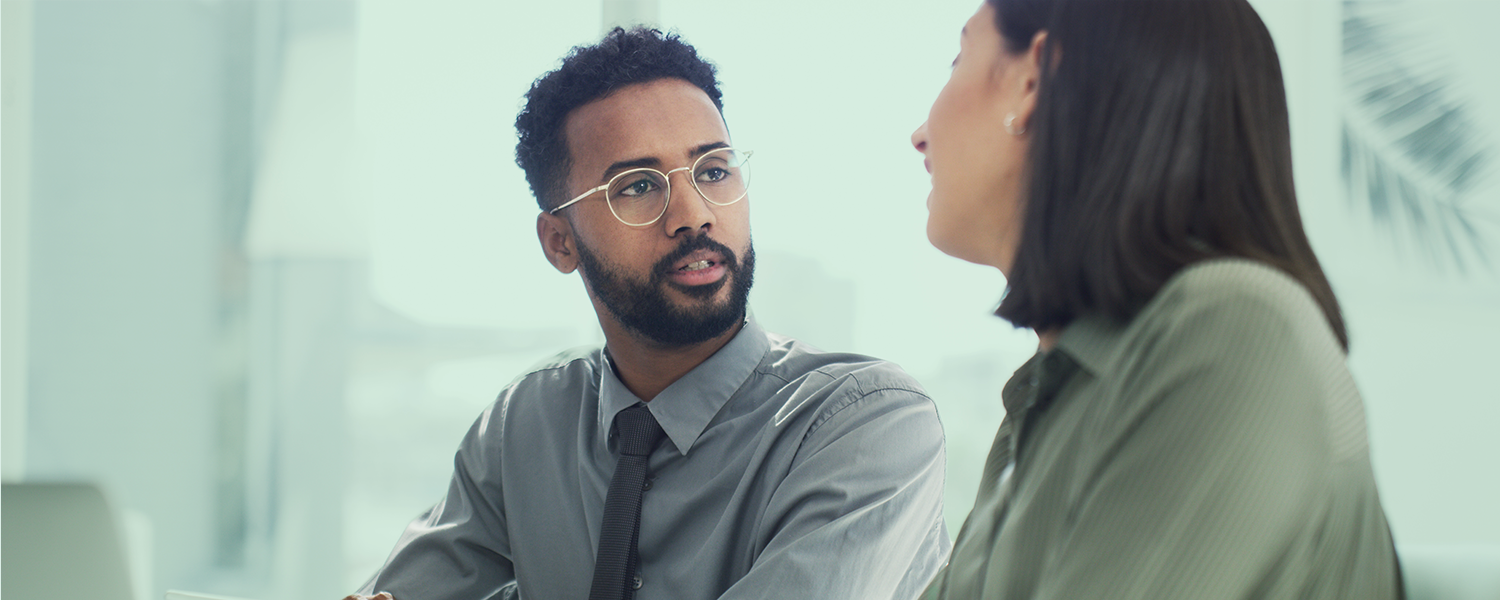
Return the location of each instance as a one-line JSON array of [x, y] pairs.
[[667, 119]]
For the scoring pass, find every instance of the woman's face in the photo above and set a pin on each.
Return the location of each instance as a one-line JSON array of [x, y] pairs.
[[977, 166]]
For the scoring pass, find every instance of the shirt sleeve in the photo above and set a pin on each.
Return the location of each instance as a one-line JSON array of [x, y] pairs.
[[459, 548], [936, 588], [859, 515], [1215, 464]]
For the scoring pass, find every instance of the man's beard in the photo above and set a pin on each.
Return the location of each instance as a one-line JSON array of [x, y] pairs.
[[645, 309]]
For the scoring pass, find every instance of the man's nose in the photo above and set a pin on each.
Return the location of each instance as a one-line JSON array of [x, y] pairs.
[[919, 138], [687, 210]]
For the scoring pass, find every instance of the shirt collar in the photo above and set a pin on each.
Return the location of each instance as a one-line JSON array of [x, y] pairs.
[[1017, 392], [1088, 343], [1092, 341], [685, 408]]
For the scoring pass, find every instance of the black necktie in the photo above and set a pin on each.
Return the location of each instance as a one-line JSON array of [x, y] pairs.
[[614, 569]]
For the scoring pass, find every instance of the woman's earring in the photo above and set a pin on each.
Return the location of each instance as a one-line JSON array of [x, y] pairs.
[[1010, 125]]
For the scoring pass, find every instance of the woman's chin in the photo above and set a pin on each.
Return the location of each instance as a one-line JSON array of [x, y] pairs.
[[950, 244], [963, 248]]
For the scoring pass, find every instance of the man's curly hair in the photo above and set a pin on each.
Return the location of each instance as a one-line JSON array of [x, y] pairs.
[[589, 73]]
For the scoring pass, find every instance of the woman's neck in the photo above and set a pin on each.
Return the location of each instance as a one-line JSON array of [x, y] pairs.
[[1048, 339]]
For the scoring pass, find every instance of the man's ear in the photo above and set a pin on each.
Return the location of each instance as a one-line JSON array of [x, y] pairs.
[[556, 237]]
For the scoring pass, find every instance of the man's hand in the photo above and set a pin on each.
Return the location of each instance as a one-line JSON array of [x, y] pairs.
[[380, 596]]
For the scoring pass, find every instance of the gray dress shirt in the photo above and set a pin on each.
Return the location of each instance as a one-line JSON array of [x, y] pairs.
[[787, 472]]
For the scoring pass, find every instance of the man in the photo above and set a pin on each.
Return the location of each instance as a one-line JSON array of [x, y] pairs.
[[694, 455]]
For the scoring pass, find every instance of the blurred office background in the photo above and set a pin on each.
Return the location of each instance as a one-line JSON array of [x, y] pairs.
[[265, 261]]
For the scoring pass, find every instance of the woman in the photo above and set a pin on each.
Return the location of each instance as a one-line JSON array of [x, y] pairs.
[[1188, 428]]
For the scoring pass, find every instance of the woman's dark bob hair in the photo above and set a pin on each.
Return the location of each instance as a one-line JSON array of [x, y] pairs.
[[1159, 139]]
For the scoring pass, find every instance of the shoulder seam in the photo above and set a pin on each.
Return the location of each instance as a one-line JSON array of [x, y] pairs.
[[503, 399], [828, 413]]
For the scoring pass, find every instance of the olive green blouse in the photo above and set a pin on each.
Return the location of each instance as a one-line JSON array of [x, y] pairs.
[[1212, 447]]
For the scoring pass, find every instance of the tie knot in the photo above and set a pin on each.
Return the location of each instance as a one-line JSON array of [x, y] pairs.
[[639, 431]]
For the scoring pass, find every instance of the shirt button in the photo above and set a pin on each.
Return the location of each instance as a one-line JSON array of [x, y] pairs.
[[648, 484], [636, 583]]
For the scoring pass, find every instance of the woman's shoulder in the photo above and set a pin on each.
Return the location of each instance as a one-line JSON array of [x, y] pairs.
[[1206, 307], [1248, 331], [1228, 307], [1233, 289], [1236, 279], [1210, 314]]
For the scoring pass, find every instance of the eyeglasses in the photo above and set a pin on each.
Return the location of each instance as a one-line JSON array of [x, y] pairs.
[[639, 197]]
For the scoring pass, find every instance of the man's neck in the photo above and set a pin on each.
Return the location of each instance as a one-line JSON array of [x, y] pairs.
[[646, 368]]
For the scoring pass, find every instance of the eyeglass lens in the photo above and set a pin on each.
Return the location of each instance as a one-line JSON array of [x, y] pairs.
[[640, 196]]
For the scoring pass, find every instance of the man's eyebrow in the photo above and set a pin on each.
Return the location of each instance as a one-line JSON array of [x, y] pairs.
[[634, 163], [653, 162], [704, 149]]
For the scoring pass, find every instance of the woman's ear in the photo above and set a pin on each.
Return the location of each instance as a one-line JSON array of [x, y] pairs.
[[1029, 76], [556, 237]]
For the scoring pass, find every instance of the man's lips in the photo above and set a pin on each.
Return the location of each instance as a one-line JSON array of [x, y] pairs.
[[694, 261], [699, 268]]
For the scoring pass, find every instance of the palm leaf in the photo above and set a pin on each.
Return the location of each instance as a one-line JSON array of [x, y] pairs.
[[1411, 149]]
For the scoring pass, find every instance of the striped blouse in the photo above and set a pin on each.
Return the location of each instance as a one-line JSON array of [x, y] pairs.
[[1213, 446]]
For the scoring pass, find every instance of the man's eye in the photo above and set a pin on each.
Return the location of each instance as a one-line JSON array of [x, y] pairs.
[[713, 174], [638, 187]]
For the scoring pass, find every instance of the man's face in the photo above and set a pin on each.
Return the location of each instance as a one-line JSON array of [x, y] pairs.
[[685, 278]]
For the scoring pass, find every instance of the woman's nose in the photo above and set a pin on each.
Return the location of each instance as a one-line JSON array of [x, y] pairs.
[[919, 138]]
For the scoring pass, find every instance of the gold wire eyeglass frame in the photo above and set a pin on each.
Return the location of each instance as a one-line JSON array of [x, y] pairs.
[[667, 189]]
